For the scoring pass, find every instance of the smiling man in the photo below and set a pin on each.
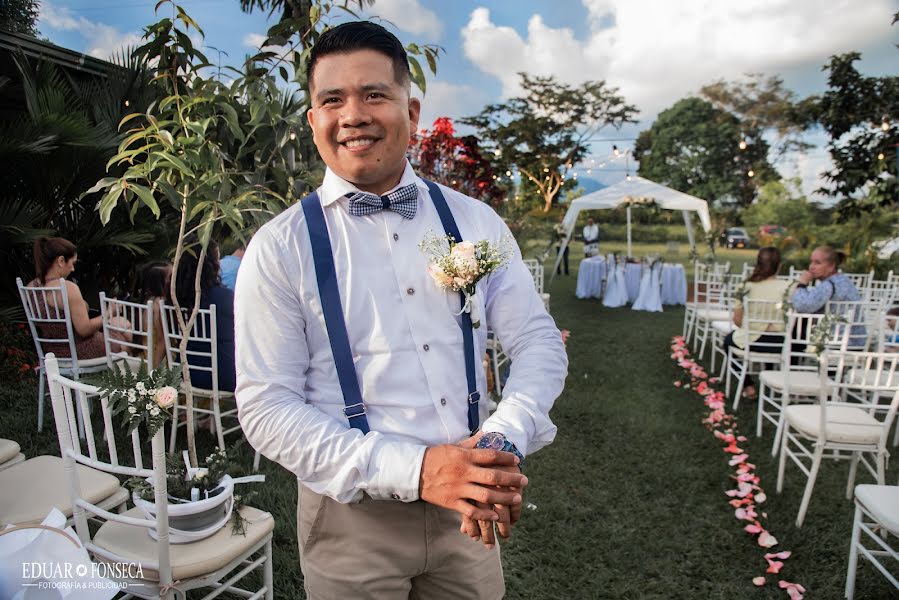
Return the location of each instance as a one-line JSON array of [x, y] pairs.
[[357, 373]]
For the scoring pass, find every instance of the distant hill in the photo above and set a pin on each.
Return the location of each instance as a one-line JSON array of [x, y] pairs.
[[588, 184]]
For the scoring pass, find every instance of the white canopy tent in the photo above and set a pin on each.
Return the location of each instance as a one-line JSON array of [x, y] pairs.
[[632, 191]]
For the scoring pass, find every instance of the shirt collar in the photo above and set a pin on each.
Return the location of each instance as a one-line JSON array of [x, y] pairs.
[[334, 187]]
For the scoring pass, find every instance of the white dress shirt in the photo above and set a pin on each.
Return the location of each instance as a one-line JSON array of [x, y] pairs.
[[406, 343]]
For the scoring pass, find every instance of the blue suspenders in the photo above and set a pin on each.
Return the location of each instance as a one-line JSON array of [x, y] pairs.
[[326, 277]]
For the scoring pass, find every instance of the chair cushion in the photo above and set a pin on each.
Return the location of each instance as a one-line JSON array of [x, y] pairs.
[[188, 560], [8, 450], [13, 461], [709, 314], [844, 423], [882, 502], [805, 383], [30, 489], [723, 327]]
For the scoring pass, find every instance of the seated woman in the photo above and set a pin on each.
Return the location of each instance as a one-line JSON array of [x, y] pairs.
[[211, 292], [833, 285], [762, 284], [157, 279], [54, 259]]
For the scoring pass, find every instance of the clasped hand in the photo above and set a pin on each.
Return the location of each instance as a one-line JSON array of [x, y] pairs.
[[484, 486]]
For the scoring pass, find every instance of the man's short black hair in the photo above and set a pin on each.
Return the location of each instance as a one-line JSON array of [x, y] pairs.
[[361, 35]]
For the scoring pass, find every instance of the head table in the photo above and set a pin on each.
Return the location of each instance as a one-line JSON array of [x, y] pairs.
[[594, 274]]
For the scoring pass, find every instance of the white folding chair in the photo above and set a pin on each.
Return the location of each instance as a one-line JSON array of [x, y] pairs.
[[129, 326], [837, 424], [711, 305], [877, 516], [863, 318], [203, 349], [536, 269], [860, 280], [719, 329], [797, 379], [884, 291], [702, 274], [30, 489], [167, 569], [50, 322], [760, 317]]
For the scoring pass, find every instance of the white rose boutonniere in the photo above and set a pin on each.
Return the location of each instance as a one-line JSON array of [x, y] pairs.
[[459, 266]]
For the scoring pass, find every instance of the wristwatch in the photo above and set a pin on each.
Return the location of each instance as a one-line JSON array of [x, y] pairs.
[[497, 441]]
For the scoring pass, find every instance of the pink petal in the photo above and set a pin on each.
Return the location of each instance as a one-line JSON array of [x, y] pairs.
[[753, 528], [774, 567], [781, 555], [766, 540], [759, 581], [760, 497]]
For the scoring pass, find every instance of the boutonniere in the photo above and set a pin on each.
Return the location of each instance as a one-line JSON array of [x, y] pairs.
[[459, 266]]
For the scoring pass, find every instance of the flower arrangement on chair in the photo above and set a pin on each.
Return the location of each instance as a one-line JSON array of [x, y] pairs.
[[201, 500]]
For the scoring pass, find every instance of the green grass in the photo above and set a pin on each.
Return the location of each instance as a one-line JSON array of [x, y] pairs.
[[630, 498]]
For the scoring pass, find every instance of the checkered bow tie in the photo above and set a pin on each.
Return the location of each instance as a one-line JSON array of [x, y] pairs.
[[403, 201]]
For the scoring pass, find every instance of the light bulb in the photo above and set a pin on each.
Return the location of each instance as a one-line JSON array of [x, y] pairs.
[[880, 156], [293, 135], [508, 173], [885, 125], [742, 144], [751, 173], [127, 103]]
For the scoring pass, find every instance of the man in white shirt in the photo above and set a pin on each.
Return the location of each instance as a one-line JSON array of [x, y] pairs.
[[591, 238], [383, 448]]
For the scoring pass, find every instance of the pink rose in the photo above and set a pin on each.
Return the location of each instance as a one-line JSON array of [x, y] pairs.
[[464, 257], [166, 396]]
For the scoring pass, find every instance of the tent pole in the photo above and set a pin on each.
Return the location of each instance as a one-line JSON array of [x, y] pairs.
[[689, 223], [629, 230]]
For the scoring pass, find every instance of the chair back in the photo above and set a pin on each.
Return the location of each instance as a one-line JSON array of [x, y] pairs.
[[860, 280], [123, 321], [763, 317], [861, 318], [883, 291], [64, 392], [709, 284], [49, 319], [860, 380], [201, 338], [888, 334], [536, 269], [748, 268]]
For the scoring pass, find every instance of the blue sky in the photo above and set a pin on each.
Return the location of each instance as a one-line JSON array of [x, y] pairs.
[[655, 51]]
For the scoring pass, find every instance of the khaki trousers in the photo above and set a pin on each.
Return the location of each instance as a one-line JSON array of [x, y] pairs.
[[381, 549]]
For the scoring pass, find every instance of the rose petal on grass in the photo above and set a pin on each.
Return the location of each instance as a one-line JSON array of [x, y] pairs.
[[758, 581]]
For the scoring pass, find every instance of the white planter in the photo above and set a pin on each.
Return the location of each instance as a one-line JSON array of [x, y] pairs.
[[194, 521]]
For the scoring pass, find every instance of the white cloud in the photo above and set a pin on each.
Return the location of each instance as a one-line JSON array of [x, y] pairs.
[[254, 40], [410, 16], [101, 41], [658, 51], [449, 100]]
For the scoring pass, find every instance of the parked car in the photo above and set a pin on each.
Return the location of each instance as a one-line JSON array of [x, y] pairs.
[[735, 237]]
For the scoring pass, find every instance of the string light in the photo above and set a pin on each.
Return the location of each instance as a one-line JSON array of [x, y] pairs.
[[497, 152], [127, 103], [880, 156], [885, 124], [293, 135], [616, 151], [742, 144], [546, 169], [508, 173], [751, 173]]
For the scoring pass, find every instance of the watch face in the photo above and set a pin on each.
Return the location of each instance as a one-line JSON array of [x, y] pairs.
[[492, 441]]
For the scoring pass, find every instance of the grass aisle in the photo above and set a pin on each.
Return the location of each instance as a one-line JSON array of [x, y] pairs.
[[629, 499]]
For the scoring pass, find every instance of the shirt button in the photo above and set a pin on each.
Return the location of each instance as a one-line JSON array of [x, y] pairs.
[[395, 496], [426, 347], [443, 402], [396, 236], [410, 291]]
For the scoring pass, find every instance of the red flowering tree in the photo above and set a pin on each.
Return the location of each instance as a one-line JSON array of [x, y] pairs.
[[456, 162]]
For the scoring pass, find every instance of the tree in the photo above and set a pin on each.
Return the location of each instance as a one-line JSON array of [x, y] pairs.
[[439, 155], [545, 132], [860, 115], [694, 147], [20, 16], [763, 105], [200, 150]]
